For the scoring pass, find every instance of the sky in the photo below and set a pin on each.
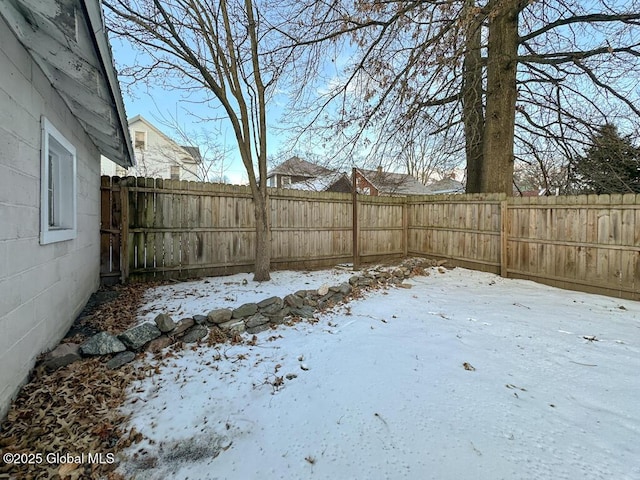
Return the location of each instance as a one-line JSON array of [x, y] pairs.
[[161, 106], [464, 375]]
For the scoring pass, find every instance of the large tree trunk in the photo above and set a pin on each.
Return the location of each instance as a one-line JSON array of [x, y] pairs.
[[263, 237], [472, 100], [502, 63]]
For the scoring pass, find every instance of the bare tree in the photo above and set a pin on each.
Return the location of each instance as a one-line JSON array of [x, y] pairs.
[[505, 72], [216, 49], [203, 144]]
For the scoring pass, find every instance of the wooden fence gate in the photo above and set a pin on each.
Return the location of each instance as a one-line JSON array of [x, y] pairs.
[[111, 222]]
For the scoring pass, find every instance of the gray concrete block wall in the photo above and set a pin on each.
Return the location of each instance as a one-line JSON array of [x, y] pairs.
[[42, 287]]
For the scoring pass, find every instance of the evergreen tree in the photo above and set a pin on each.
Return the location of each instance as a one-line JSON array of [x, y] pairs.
[[610, 165]]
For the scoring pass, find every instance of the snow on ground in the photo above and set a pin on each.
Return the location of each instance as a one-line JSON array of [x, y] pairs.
[[379, 390]]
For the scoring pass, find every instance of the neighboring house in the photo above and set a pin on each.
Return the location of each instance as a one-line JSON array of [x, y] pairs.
[[331, 182], [157, 155], [445, 186], [299, 174], [61, 109], [377, 182]]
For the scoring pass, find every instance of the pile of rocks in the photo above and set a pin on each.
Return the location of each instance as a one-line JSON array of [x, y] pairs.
[[226, 323]]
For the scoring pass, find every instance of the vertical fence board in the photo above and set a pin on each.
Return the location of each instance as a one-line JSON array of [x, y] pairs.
[[176, 229]]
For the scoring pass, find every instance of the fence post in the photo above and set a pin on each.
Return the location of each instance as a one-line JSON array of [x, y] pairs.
[[405, 227], [504, 240], [355, 233], [124, 233]]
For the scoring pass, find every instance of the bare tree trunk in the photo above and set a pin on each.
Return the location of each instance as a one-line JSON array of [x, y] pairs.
[[501, 96], [263, 237], [472, 100]]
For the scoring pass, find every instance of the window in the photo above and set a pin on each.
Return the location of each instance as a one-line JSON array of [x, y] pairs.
[[286, 181], [140, 140], [57, 186], [175, 172]]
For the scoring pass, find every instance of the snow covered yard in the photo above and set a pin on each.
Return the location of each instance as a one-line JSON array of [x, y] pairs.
[[464, 376]]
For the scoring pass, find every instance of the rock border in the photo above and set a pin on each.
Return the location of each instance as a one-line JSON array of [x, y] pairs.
[[225, 323]]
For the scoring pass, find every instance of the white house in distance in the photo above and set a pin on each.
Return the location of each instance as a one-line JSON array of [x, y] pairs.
[[61, 109], [157, 155]]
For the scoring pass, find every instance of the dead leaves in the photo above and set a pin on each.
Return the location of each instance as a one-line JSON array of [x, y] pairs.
[[75, 409], [467, 366]]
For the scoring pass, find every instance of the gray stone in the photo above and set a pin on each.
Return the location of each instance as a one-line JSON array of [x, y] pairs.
[[345, 288], [197, 332], [200, 319], [258, 328], [233, 326], [365, 282], [272, 308], [182, 326], [278, 320], [304, 312], [307, 294], [338, 298], [278, 317], [323, 290], [245, 310], [120, 359], [255, 320], [164, 323], [353, 280], [136, 337], [220, 315], [102, 343], [325, 297], [61, 356], [269, 301], [294, 301], [159, 343]]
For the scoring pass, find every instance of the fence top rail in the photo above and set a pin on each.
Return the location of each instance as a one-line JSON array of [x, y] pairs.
[[579, 200], [183, 187], [180, 187]]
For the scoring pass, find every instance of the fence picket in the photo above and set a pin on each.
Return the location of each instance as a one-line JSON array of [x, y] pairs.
[[162, 228]]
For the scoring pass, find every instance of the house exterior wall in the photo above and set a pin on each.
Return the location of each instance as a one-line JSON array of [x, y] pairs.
[[42, 287], [364, 186], [277, 180], [156, 159]]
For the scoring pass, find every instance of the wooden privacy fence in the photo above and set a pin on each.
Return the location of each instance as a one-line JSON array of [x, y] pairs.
[[178, 229], [154, 228]]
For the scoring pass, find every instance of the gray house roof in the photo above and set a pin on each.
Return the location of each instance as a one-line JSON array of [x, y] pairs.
[[68, 41], [389, 183], [296, 166], [194, 152], [446, 185], [322, 183]]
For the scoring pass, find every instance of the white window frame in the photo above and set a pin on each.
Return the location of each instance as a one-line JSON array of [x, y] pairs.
[[58, 186], [135, 134]]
